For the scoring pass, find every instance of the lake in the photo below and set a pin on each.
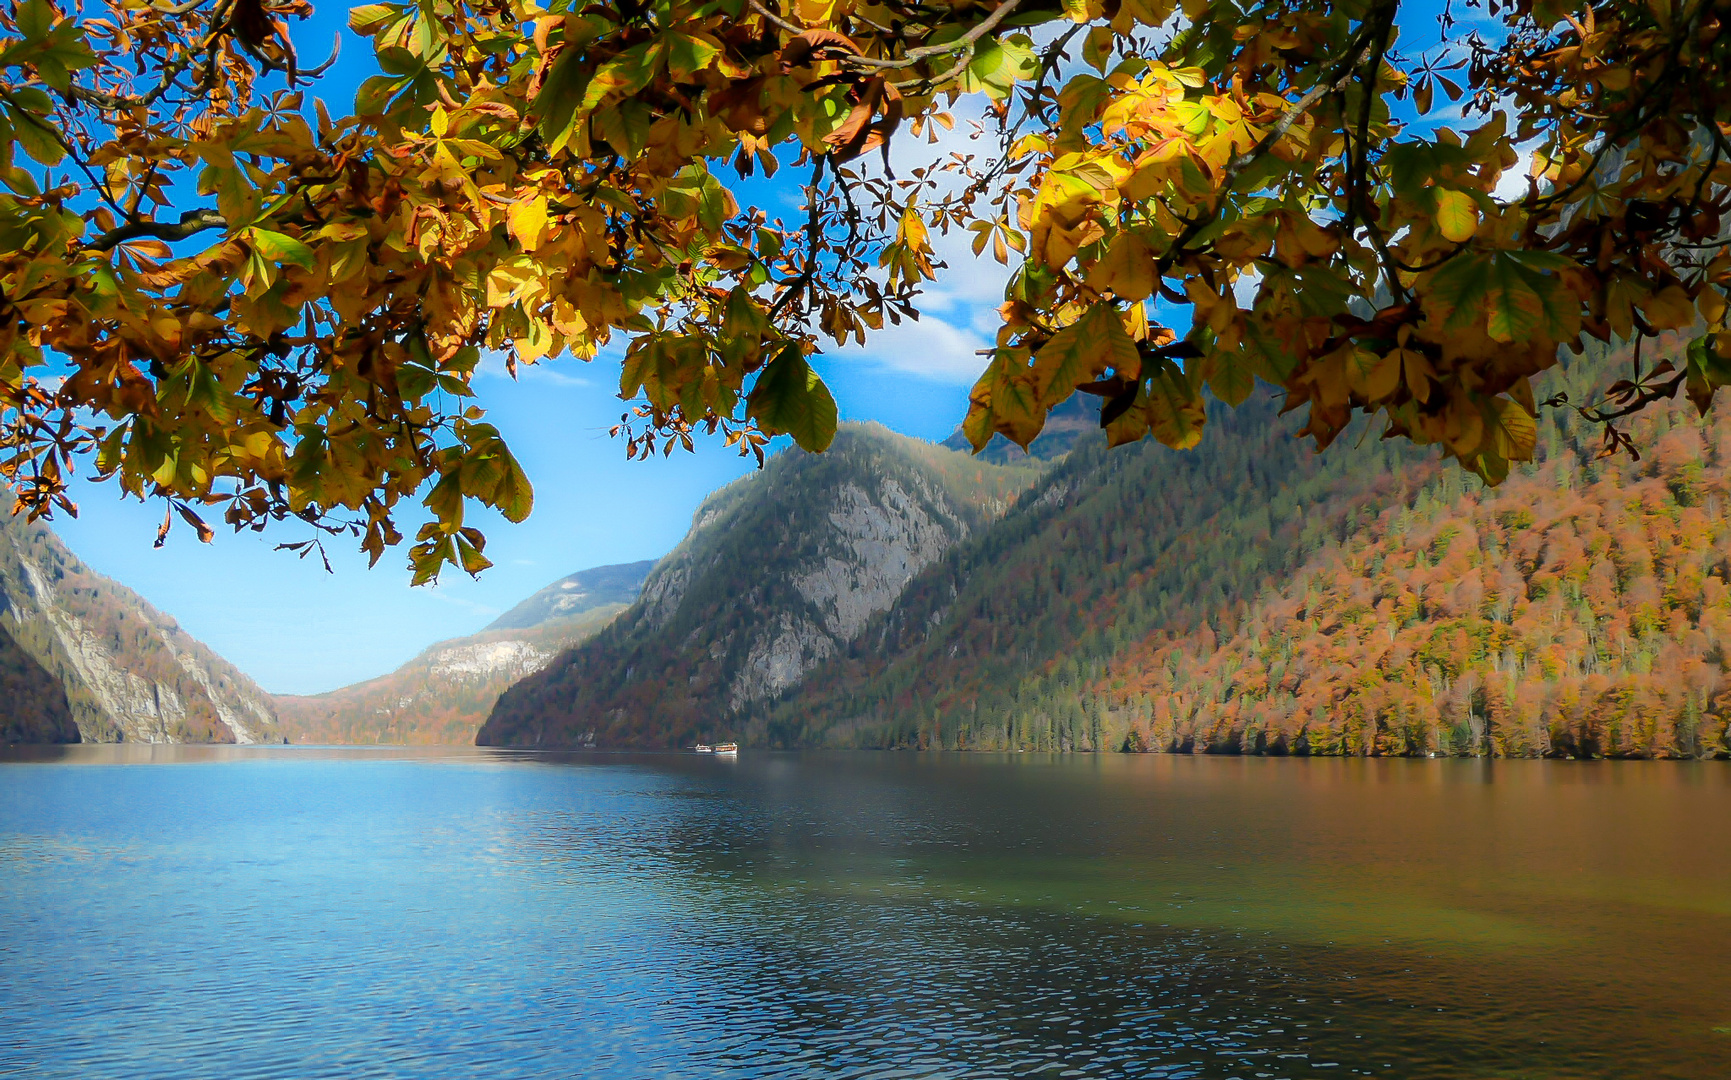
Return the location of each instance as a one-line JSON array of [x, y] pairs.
[[201, 912]]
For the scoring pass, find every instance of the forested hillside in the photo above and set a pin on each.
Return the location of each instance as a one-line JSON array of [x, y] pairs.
[[85, 659], [1002, 644], [780, 570], [442, 696], [1581, 609], [1251, 597]]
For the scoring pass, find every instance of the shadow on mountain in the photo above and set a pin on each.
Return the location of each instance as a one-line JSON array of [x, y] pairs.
[[32, 702]]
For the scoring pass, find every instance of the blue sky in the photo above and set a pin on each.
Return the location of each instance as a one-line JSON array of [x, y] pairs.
[[297, 629]]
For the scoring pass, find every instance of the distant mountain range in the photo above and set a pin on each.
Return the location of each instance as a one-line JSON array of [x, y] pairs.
[[83, 659], [444, 694], [572, 596], [1246, 597]]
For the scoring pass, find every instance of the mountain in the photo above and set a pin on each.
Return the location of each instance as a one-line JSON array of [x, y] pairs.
[[443, 695], [581, 592], [780, 570], [1257, 598], [1582, 609], [85, 659], [1004, 644], [1247, 597]]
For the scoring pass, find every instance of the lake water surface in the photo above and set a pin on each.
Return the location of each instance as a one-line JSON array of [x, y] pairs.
[[297, 913]]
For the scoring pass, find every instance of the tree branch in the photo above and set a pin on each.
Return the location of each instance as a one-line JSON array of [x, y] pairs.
[[190, 223], [963, 45]]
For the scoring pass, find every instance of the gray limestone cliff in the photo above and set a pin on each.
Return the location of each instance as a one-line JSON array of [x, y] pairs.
[[83, 659], [780, 571]]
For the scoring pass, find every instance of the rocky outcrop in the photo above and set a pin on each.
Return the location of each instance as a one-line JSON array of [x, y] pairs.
[[876, 542], [487, 659], [123, 670], [780, 571]]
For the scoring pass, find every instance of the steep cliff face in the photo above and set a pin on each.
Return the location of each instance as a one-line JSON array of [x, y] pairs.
[[123, 670], [443, 695], [780, 571]]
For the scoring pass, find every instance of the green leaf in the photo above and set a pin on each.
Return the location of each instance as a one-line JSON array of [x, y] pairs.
[[1174, 411], [1513, 309], [1231, 380], [789, 399], [414, 381], [1458, 287], [36, 137], [1081, 352], [35, 18], [280, 249], [368, 19], [33, 100], [625, 74], [688, 54], [555, 107], [374, 95], [1707, 371], [513, 495]]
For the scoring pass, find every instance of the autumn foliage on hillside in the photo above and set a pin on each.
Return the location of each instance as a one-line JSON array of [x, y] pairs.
[[1581, 609]]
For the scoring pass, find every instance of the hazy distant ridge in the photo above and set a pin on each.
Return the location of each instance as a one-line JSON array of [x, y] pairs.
[[444, 694], [571, 596]]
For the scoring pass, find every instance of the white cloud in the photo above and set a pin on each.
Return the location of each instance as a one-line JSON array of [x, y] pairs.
[[930, 348], [439, 591]]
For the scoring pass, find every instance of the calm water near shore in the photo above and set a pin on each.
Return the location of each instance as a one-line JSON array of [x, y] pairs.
[[357, 913]]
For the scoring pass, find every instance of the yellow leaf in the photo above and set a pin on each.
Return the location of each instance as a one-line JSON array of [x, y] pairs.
[[527, 220], [1126, 269], [1511, 430], [1081, 352], [1457, 216], [1419, 374], [1669, 309]]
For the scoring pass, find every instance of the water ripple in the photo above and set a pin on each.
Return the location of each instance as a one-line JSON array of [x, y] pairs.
[[514, 917]]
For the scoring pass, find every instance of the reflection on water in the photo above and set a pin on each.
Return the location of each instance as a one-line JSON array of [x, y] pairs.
[[294, 912]]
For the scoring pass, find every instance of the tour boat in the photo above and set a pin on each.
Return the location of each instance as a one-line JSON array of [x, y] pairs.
[[703, 748], [729, 748]]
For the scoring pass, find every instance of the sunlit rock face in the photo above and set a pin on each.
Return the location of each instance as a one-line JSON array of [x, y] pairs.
[[125, 672], [781, 571], [487, 660], [876, 542]]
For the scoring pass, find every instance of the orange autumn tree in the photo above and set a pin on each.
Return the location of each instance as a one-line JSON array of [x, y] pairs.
[[224, 294]]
